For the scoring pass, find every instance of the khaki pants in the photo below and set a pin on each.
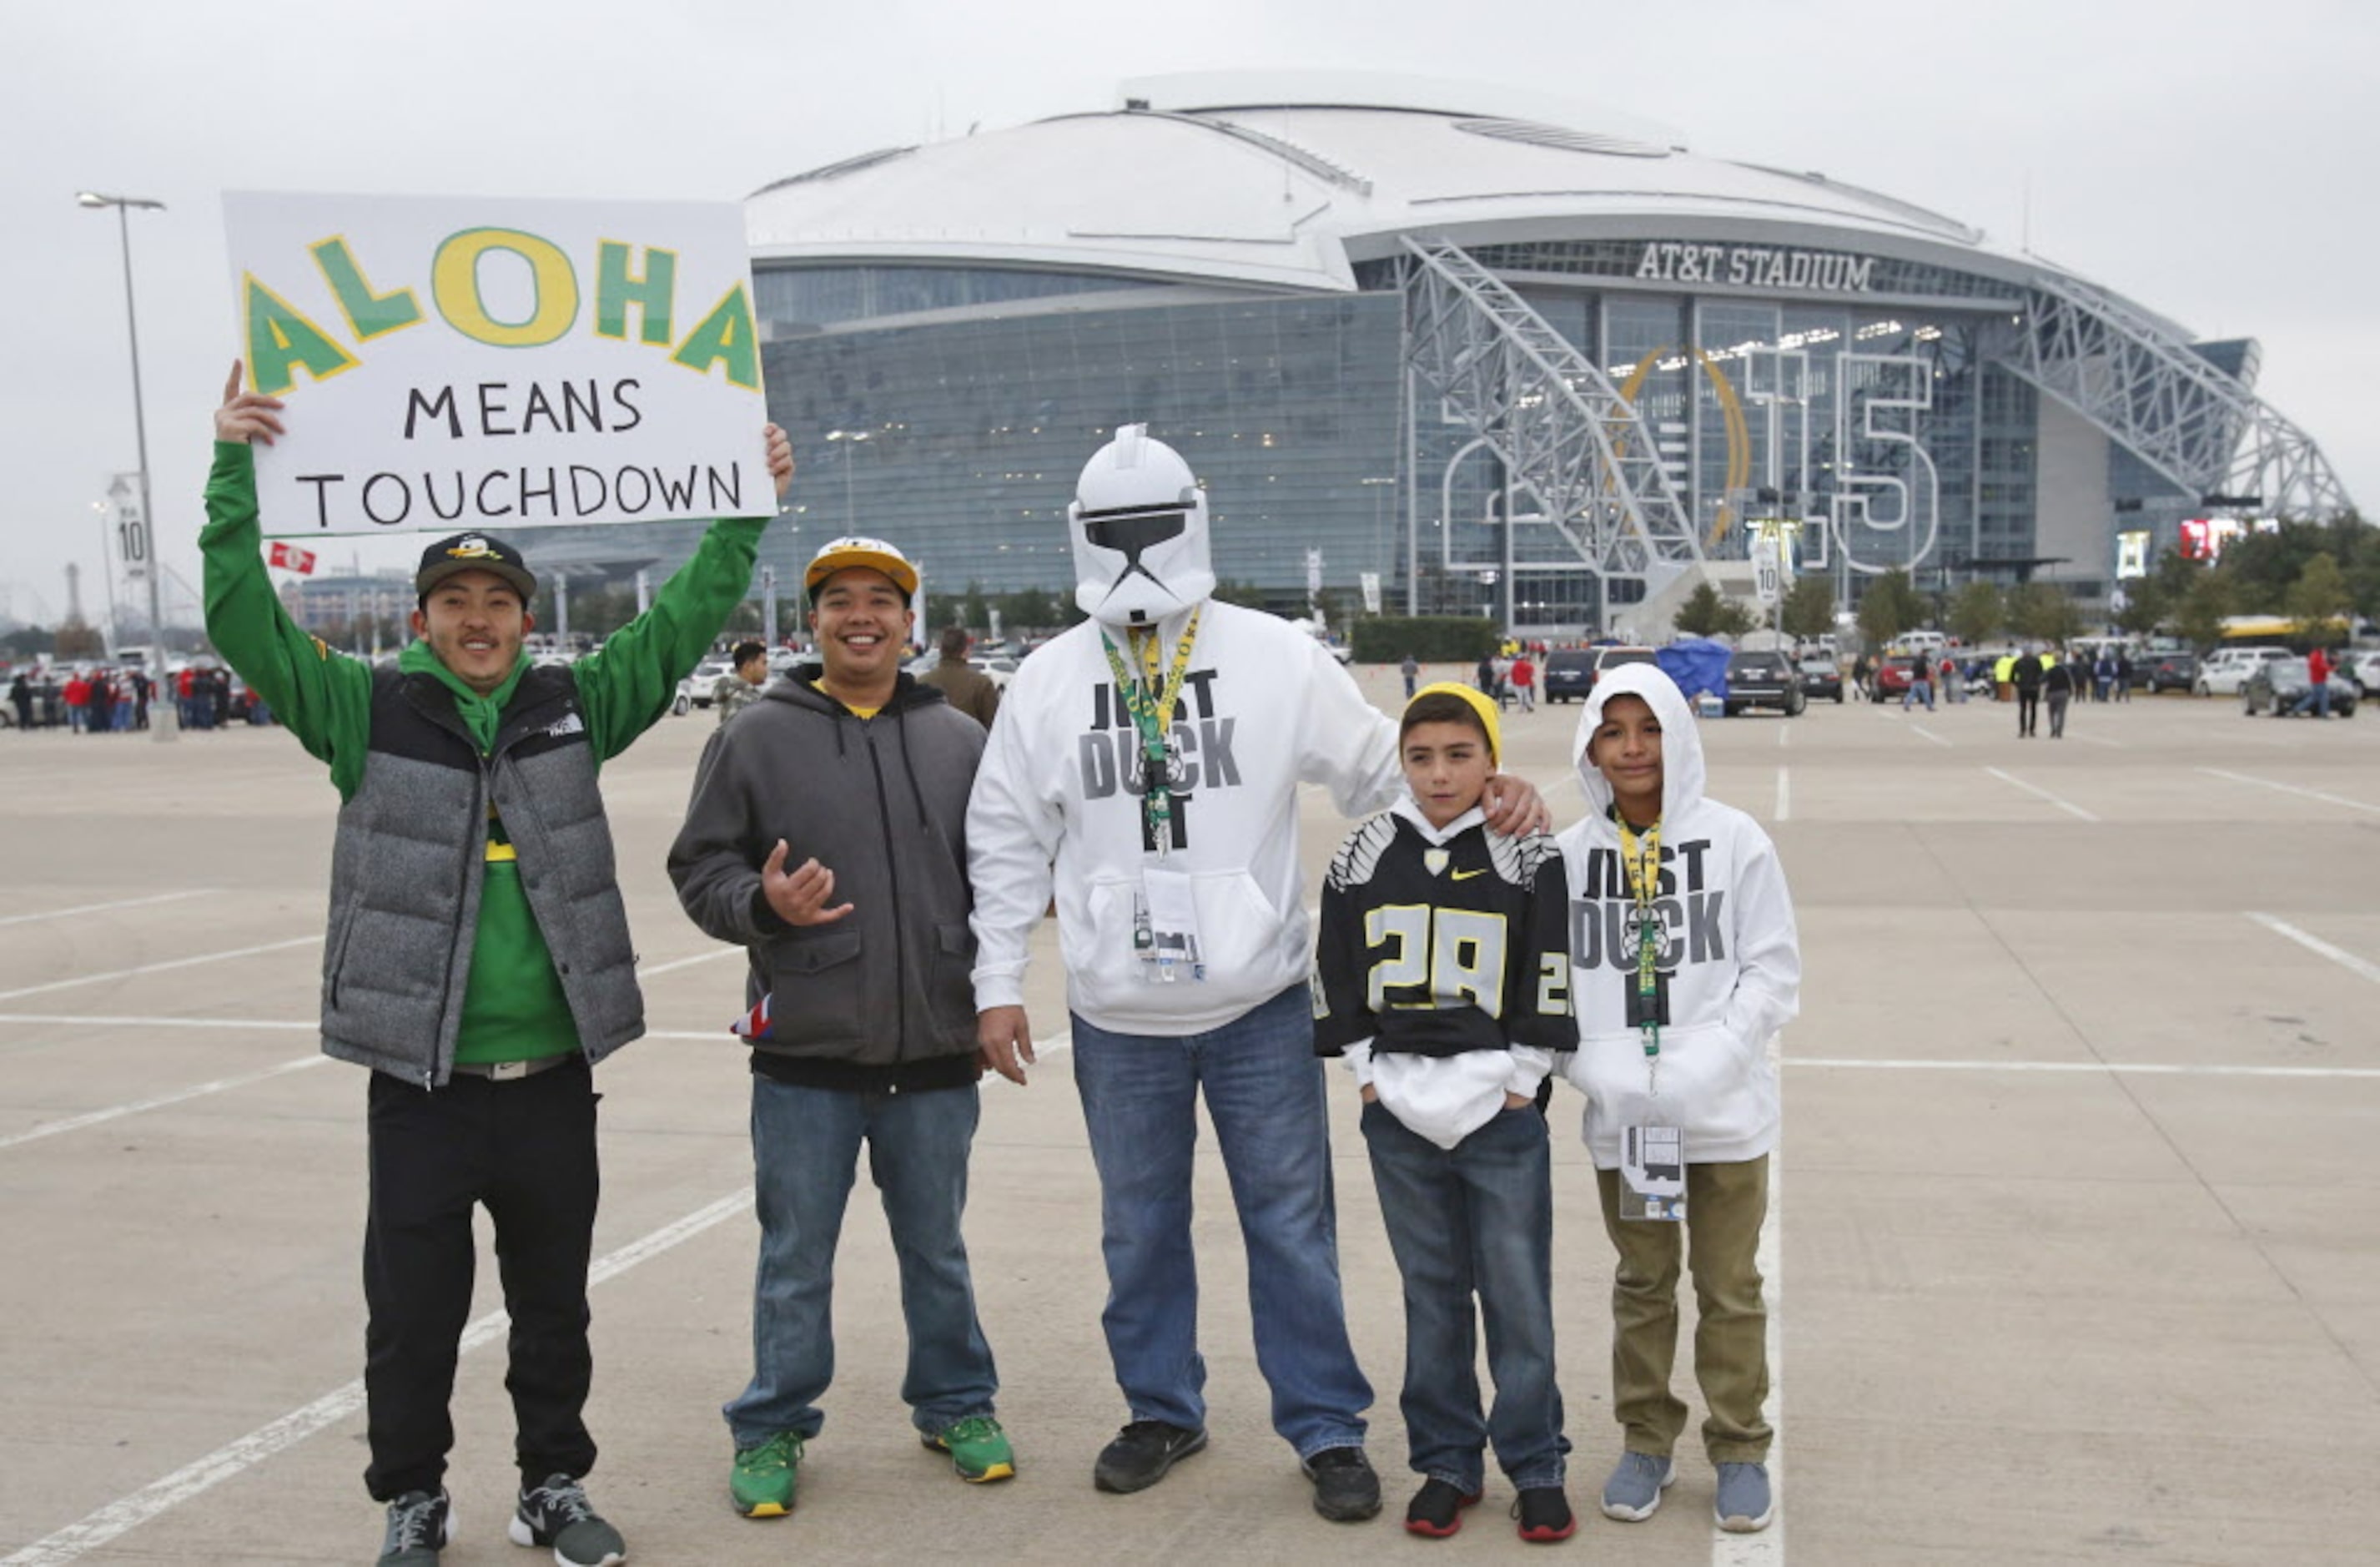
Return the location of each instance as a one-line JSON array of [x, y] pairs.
[[1725, 1206]]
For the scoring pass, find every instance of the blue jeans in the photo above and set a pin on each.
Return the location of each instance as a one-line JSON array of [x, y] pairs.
[[1475, 1218], [805, 1156], [1919, 690], [1263, 1087]]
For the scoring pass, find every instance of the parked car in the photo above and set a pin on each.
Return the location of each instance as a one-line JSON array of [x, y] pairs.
[[2364, 670], [1613, 657], [2159, 673], [1822, 678], [1892, 675], [1764, 680], [2277, 684], [2225, 669], [696, 688], [1569, 674]]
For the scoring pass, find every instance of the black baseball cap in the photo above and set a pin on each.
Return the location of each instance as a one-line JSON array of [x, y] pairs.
[[473, 552]]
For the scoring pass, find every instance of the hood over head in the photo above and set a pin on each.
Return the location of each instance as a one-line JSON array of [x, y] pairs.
[[1139, 529], [1681, 738]]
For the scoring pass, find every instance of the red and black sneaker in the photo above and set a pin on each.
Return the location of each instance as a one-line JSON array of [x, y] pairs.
[[1436, 1510], [1545, 1515]]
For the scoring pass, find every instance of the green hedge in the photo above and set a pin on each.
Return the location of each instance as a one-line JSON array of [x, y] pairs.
[[1432, 638]]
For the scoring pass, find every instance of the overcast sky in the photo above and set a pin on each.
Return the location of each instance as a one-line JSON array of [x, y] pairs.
[[2212, 161]]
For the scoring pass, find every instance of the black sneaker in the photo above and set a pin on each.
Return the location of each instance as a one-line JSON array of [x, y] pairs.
[[1142, 1453], [1436, 1510], [1345, 1488], [1544, 1515], [419, 1523], [556, 1514]]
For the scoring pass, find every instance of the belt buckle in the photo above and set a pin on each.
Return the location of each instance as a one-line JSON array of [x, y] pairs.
[[505, 1071]]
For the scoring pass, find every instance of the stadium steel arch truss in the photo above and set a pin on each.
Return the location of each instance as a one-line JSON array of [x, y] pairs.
[[1564, 434], [2197, 426]]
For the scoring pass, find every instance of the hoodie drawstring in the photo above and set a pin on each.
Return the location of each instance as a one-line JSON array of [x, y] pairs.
[[917, 795]]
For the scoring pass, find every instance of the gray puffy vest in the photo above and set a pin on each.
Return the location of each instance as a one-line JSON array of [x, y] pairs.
[[410, 855]]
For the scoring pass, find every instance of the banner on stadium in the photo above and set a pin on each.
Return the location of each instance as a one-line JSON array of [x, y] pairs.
[[468, 362]]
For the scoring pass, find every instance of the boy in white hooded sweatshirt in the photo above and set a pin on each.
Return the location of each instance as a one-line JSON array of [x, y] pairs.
[[1677, 1044]]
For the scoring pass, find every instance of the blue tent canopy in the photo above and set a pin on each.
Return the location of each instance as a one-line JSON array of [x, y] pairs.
[[1697, 664]]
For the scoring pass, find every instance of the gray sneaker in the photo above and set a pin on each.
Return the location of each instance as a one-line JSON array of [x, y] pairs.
[[419, 1523], [1745, 1503], [557, 1514], [1634, 1492]]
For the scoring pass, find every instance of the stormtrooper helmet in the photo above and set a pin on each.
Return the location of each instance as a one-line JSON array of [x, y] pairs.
[[1139, 527]]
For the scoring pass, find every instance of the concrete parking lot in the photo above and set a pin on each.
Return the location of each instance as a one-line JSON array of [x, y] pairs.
[[2075, 1258]]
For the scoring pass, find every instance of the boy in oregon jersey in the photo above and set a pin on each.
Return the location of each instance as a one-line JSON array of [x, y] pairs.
[[1442, 973]]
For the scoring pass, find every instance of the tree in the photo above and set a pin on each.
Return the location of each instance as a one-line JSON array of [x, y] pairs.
[[1708, 612], [2318, 597], [2040, 613], [1809, 607], [1247, 595], [78, 640], [1978, 612], [1889, 607], [2198, 616]]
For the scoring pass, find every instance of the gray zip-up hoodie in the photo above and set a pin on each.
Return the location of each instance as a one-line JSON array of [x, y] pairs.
[[882, 803]]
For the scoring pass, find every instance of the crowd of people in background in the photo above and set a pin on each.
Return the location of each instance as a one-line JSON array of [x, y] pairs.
[[108, 699]]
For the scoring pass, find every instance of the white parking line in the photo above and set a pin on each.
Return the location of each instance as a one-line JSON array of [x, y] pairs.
[[2338, 955], [234, 1458], [2292, 789], [676, 963], [1921, 729], [157, 1101], [1767, 1548], [1784, 735], [1784, 793], [158, 967], [2120, 1068], [102, 908], [2067, 806]]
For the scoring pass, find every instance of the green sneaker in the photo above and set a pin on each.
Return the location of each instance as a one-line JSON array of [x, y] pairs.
[[978, 1448], [762, 1480]]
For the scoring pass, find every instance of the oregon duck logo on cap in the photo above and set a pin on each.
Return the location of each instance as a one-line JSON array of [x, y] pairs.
[[471, 547]]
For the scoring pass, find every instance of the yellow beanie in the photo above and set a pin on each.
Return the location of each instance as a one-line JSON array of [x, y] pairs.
[[1481, 703]]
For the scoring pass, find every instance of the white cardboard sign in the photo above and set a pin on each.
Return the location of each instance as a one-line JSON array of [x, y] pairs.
[[485, 363]]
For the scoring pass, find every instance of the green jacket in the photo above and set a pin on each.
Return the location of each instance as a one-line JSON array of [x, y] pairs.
[[514, 1006]]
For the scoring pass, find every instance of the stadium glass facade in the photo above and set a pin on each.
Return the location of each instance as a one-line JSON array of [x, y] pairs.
[[980, 390]]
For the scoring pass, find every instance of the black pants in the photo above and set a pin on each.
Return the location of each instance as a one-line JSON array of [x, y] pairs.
[[2028, 709], [525, 1148], [2057, 701]]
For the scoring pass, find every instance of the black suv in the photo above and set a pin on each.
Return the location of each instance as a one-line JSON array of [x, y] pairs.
[[1763, 680], [1570, 673]]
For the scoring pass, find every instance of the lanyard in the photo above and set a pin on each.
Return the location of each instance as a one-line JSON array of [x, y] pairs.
[[1152, 715], [1643, 866]]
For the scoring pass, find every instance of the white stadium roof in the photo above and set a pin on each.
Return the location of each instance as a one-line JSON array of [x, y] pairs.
[[1285, 180]]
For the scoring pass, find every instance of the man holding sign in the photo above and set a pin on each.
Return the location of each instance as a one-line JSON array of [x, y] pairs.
[[480, 1001]]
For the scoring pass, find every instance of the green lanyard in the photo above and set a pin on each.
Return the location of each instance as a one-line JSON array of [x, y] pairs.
[[1644, 864], [1152, 715]]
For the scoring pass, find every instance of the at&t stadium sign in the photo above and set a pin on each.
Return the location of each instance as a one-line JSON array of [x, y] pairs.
[[1755, 266]]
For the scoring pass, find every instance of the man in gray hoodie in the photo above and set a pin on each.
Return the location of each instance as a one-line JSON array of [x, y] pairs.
[[827, 836]]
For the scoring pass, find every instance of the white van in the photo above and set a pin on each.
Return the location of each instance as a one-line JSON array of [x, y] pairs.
[[2226, 669]]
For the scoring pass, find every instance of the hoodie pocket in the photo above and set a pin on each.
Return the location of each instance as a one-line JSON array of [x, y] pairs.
[[815, 979]]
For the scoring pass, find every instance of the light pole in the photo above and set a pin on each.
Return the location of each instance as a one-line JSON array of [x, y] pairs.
[[850, 438], [160, 708]]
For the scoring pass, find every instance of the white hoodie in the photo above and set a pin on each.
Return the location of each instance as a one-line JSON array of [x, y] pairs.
[[1733, 962], [1263, 709]]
